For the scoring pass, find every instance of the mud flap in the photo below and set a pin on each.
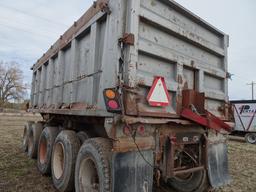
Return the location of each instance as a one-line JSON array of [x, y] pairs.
[[130, 172], [218, 164]]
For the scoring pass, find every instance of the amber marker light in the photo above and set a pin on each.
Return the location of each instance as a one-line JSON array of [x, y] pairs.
[[110, 94], [112, 100]]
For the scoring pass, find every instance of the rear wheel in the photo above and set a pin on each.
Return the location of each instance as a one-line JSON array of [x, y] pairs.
[[33, 139], [93, 166], [45, 146], [64, 153], [250, 138], [83, 136], [188, 157], [27, 128], [194, 182]]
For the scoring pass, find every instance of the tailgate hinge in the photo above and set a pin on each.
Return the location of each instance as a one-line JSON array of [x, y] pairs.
[[127, 39], [193, 109]]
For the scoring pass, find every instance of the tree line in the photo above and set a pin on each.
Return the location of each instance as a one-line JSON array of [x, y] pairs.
[[12, 85]]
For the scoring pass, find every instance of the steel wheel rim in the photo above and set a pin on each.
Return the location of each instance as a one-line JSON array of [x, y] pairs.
[[58, 160], [184, 177], [251, 138], [88, 176], [43, 150]]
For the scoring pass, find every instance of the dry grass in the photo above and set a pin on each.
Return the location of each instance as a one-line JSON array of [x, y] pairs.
[[242, 162], [18, 173]]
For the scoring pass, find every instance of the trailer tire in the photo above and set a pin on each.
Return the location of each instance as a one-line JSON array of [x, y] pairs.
[[45, 147], [250, 138], [27, 128], [33, 139], [82, 136], [93, 166], [64, 153], [198, 182]]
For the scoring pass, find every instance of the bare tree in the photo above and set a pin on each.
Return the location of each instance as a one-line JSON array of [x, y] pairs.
[[12, 86]]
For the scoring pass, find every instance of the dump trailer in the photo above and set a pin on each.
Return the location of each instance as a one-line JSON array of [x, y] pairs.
[[134, 98], [244, 112]]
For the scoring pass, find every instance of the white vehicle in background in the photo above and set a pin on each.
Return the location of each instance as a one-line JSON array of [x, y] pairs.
[[245, 121]]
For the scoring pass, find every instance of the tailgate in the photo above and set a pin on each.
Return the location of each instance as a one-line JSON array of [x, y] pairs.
[[172, 43]]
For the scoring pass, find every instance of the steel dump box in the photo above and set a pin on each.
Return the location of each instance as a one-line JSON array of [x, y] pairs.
[[126, 44]]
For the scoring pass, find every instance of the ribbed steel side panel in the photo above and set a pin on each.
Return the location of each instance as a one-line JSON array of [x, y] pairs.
[[170, 42]]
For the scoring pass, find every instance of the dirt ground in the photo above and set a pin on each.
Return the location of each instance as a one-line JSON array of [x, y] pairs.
[[18, 173]]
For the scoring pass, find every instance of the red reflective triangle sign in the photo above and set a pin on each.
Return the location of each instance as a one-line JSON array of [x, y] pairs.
[[158, 95]]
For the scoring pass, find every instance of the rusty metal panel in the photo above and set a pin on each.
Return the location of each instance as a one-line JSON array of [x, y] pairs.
[[38, 82], [33, 90], [50, 84], [81, 64], [68, 35], [190, 80], [147, 67], [193, 99], [214, 83], [83, 53], [127, 44], [46, 84], [67, 76], [42, 90], [54, 81], [216, 107], [183, 21], [179, 46]]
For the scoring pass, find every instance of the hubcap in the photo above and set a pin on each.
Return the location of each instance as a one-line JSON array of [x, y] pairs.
[[251, 138], [58, 160], [42, 150], [88, 176]]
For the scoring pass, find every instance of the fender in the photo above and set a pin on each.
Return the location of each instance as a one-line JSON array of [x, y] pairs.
[[130, 171], [217, 161]]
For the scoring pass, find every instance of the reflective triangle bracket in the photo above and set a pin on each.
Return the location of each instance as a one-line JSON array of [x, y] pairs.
[[158, 95]]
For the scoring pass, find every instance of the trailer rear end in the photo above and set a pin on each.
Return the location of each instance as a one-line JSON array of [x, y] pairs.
[[244, 112], [134, 97]]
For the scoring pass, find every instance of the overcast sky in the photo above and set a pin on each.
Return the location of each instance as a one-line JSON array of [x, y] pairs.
[[29, 27]]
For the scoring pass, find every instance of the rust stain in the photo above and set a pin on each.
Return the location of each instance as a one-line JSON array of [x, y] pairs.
[[81, 106], [185, 85], [191, 97], [130, 103], [128, 38], [179, 104], [127, 144], [141, 81]]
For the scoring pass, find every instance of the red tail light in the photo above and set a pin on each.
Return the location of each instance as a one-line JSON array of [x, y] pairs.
[[173, 138], [112, 100], [113, 104], [127, 131], [141, 130]]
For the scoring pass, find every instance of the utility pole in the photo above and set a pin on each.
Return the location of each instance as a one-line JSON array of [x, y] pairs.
[[252, 84]]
